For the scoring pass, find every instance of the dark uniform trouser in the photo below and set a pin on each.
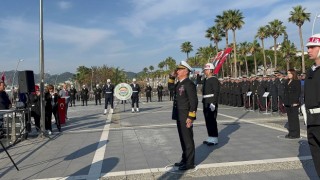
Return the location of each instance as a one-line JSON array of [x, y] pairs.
[[72, 101], [159, 97], [314, 144], [186, 138], [211, 121], [108, 99], [293, 121], [135, 99]]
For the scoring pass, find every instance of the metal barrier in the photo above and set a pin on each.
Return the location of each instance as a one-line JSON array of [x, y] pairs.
[[13, 124]]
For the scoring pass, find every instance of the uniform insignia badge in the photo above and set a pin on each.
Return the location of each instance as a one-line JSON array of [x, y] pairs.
[[181, 90]]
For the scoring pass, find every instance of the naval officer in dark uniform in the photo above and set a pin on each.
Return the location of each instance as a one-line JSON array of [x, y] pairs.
[[135, 95], [210, 97], [185, 105], [312, 100]]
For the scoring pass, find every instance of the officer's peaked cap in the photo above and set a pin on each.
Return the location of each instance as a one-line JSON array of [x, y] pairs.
[[184, 65]]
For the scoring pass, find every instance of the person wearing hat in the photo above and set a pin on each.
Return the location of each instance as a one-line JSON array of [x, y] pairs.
[[72, 94], [210, 98], [148, 91], [135, 95], [312, 100], [184, 109], [97, 94], [159, 90], [84, 95], [108, 90]]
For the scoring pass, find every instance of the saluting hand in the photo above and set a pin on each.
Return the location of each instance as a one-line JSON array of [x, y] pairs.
[[189, 123]]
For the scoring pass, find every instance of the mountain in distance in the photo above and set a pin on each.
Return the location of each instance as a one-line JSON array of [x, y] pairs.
[[48, 78]]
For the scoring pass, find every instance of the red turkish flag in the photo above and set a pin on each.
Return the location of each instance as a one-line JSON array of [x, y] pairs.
[[223, 58]]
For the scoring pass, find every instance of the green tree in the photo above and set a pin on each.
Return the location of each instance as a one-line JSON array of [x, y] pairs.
[[186, 47], [299, 16], [254, 48], [288, 50], [244, 49], [215, 34], [236, 22], [275, 29], [223, 22], [262, 34]]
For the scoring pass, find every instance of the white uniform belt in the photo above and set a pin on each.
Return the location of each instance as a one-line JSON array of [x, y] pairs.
[[208, 95], [314, 110], [134, 91], [108, 92]]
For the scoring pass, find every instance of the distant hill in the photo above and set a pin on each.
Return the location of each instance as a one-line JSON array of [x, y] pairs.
[[51, 79]]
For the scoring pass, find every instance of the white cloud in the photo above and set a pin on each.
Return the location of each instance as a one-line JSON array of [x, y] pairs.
[[63, 5], [82, 38]]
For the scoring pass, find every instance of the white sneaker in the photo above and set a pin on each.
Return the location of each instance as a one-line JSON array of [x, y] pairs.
[[207, 140], [137, 109], [212, 141], [132, 110], [105, 111], [111, 111]]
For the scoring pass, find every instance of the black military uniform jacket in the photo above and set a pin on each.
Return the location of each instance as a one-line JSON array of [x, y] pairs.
[[211, 86], [312, 95], [135, 90], [185, 98], [108, 91], [292, 93], [148, 91]]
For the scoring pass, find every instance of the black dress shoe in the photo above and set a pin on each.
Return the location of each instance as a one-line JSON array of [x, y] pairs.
[[205, 142], [181, 163], [186, 167], [211, 144], [290, 137]]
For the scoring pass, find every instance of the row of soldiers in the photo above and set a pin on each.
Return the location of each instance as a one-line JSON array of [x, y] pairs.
[[254, 92]]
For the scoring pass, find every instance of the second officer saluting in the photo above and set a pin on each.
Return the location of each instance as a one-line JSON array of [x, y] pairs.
[[210, 92], [185, 105]]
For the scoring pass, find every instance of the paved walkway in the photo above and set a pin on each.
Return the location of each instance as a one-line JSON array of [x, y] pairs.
[[144, 145]]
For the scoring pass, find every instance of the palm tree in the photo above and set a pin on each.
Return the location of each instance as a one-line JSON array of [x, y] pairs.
[[275, 29], [186, 47], [244, 49], [289, 50], [215, 34], [262, 34], [254, 48], [236, 22], [299, 16], [223, 22], [171, 63]]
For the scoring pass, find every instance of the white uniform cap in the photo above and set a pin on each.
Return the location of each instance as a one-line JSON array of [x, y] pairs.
[[208, 66], [184, 65], [134, 80], [97, 85], [148, 83], [108, 80], [314, 40]]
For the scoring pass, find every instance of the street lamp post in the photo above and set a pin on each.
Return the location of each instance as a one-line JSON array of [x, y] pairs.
[[317, 16], [91, 78], [14, 75], [55, 82], [270, 61]]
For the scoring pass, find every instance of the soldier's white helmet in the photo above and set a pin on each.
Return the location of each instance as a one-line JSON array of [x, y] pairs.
[[134, 80], [208, 66], [108, 80], [148, 84], [97, 85], [314, 40], [72, 86]]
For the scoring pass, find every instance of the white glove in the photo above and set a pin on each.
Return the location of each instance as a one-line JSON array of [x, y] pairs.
[[212, 107]]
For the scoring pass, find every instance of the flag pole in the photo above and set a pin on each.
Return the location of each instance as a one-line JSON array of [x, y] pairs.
[[41, 63]]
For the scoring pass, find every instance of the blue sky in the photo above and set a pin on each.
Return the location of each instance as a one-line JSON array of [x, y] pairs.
[[129, 34]]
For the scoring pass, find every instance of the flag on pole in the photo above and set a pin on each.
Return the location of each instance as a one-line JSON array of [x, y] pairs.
[[216, 59], [222, 59], [3, 76]]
